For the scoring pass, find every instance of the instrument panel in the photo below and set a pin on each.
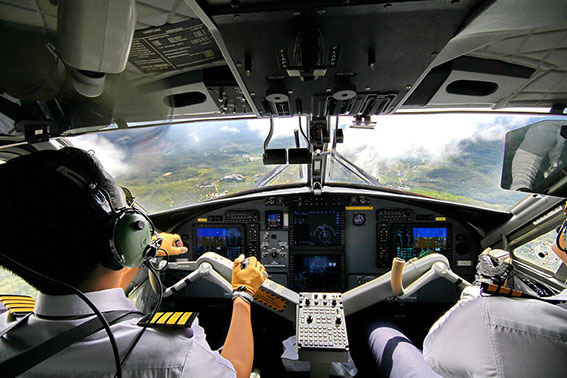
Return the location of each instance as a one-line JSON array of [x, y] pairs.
[[328, 243]]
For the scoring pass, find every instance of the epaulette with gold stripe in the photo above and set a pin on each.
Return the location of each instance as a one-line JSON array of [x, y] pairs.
[[169, 319], [18, 305], [504, 291]]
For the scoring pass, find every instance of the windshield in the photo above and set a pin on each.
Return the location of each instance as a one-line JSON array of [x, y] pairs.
[[174, 165], [455, 157]]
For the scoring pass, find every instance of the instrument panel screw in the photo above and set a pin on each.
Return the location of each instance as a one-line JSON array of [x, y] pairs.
[[408, 87], [328, 90], [237, 17], [434, 54], [387, 6], [321, 11], [238, 64], [367, 88], [252, 93], [296, 13]]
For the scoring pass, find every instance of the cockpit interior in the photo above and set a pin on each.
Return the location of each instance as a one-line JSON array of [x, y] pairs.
[[363, 151]]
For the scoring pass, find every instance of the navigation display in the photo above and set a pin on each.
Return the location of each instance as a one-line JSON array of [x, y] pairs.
[[316, 228], [410, 242], [226, 241], [317, 273]]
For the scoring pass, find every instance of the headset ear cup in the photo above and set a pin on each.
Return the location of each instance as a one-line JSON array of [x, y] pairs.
[[131, 235]]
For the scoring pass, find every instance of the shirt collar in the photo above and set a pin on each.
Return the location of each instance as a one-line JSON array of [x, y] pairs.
[[72, 305]]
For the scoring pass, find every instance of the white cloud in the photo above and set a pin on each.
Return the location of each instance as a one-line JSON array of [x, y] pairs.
[[430, 137], [112, 157], [283, 127], [229, 129], [193, 136]]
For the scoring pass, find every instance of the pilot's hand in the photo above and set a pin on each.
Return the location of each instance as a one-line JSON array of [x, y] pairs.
[[172, 244], [249, 278], [493, 270]]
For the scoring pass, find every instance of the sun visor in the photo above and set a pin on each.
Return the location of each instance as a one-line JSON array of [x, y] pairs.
[[535, 158]]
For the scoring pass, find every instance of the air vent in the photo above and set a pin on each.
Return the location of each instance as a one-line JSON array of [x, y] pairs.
[[472, 87]]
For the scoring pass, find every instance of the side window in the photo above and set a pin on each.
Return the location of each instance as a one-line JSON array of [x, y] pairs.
[[13, 284], [538, 253]]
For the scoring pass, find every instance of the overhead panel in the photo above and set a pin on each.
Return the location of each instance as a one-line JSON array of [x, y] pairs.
[[334, 57]]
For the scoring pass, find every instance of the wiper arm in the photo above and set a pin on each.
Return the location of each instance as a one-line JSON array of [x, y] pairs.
[[354, 169]]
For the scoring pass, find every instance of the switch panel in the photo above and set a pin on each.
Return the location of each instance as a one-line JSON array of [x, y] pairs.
[[274, 249], [321, 328]]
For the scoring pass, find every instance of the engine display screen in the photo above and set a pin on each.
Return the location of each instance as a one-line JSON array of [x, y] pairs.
[[410, 242], [317, 273], [226, 241], [317, 228]]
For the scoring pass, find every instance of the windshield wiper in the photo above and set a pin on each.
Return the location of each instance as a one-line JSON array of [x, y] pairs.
[[354, 169]]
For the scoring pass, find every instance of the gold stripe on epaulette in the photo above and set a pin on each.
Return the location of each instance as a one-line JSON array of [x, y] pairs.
[[10, 301], [184, 319], [169, 319], [3, 297], [18, 304], [156, 317], [173, 319], [164, 318]]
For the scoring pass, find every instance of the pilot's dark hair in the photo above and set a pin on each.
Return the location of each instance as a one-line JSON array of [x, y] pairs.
[[50, 223]]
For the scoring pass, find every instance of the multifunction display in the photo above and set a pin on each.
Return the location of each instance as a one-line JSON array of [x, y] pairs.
[[318, 272], [317, 228], [226, 241], [274, 220], [410, 242]]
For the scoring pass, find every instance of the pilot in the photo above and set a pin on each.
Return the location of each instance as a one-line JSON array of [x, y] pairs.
[[53, 224], [484, 335]]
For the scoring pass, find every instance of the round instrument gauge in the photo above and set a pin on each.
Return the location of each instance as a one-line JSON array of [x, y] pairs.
[[359, 219]]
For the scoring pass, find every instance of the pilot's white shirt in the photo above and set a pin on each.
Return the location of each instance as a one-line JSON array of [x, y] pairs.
[[499, 337], [159, 353]]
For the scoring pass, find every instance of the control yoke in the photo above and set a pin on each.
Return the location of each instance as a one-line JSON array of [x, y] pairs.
[[404, 280], [320, 317]]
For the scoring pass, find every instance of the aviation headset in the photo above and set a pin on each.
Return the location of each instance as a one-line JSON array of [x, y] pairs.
[[130, 233]]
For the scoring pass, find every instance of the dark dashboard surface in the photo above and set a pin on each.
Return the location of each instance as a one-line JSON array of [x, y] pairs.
[[333, 242]]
